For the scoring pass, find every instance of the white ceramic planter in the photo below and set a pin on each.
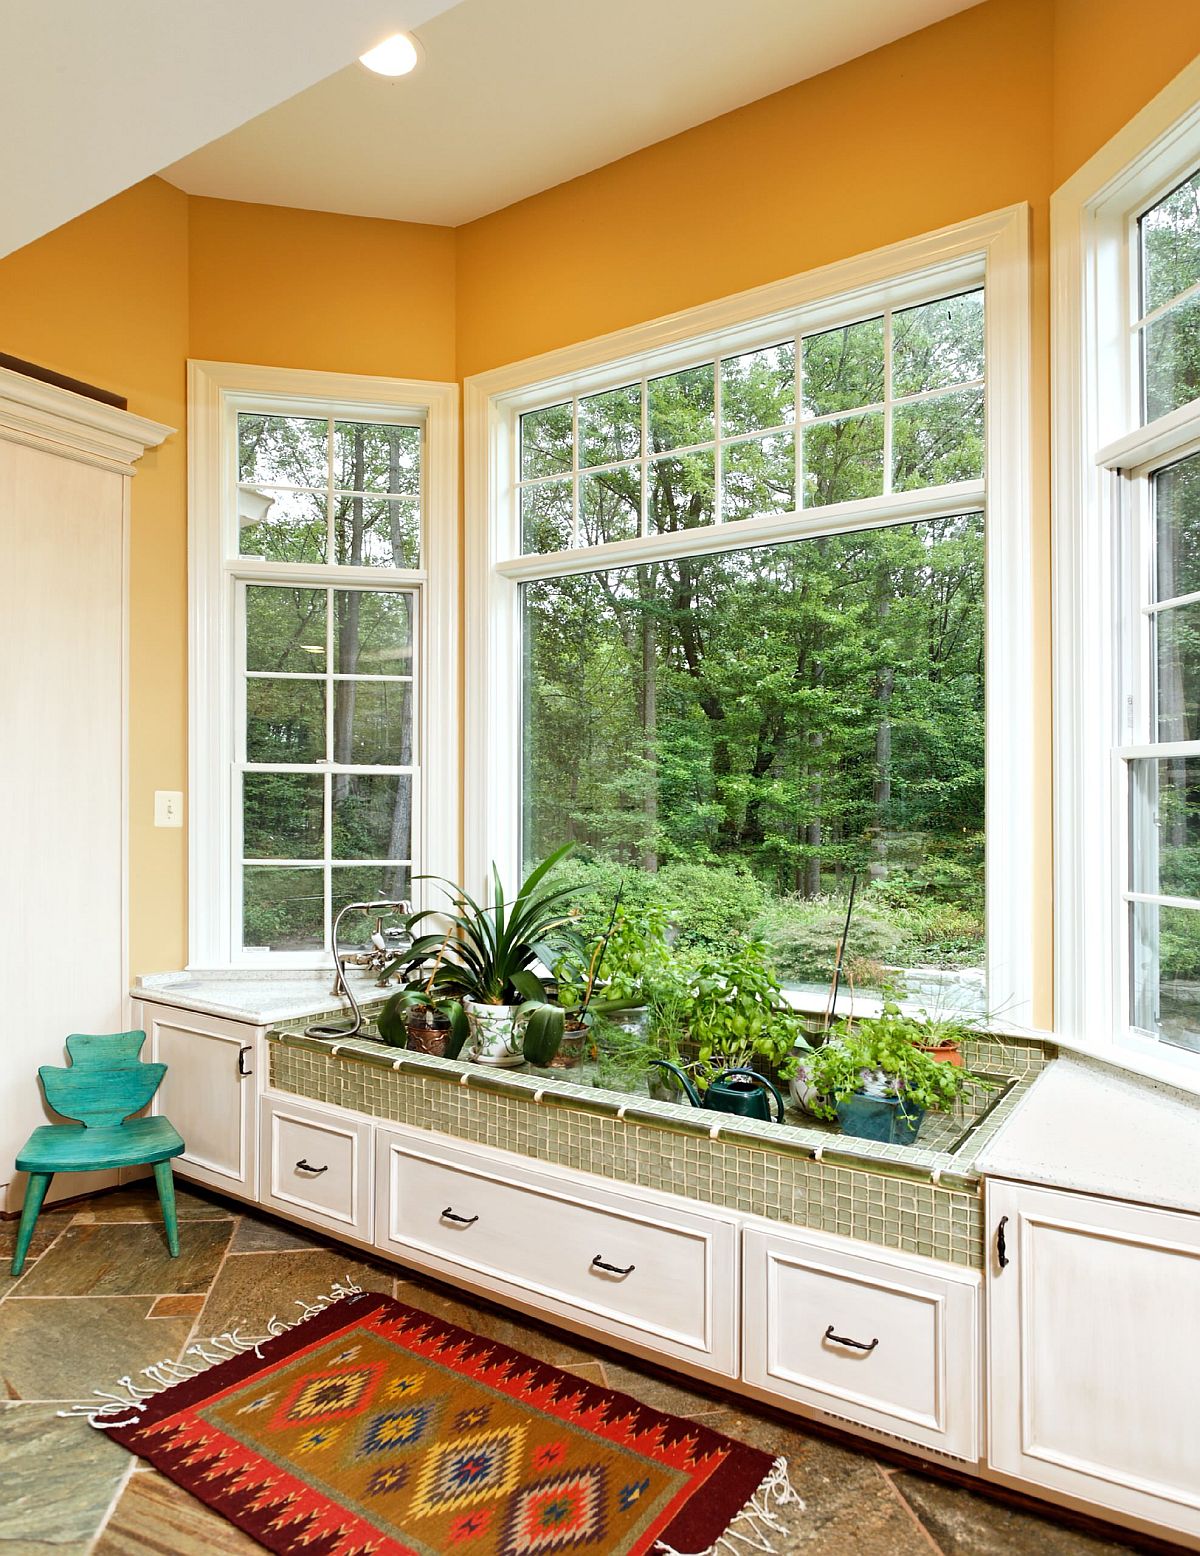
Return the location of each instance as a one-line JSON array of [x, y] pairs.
[[497, 1033]]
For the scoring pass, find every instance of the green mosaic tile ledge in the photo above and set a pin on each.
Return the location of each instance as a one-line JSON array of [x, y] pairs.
[[922, 1202]]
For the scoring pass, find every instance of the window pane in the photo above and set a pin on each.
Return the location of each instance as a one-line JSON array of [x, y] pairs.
[[372, 817], [546, 516], [283, 815], [843, 460], [681, 408], [372, 723], [1164, 826], [283, 910], [367, 883], [372, 632], [610, 506], [758, 390], [758, 476], [610, 426], [843, 369], [374, 457], [939, 440], [1171, 359], [285, 629], [285, 721], [1165, 985], [376, 531], [732, 735], [937, 345], [546, 441], [1171, 245], [1177, 672], [682, 492], [1177, 528], [283, 526], [283, 450]]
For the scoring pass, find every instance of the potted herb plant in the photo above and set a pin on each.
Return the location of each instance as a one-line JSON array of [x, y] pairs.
[[577, 973], [874, 1077], [484, 962]]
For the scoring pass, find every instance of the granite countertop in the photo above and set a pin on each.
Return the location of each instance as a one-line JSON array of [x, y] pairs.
[[1086, 1126], [261, 998]]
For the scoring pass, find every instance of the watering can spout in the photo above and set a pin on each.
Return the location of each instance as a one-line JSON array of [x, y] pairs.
[[693, 1095]]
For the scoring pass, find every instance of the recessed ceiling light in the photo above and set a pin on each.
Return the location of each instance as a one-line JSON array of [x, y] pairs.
[[395, 56]]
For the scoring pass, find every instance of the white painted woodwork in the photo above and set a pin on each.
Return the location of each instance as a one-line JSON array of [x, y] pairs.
[[1094, 1373], [65, 464], [919, 1382], [316, 1166], [537, 1235], [205, 1095]]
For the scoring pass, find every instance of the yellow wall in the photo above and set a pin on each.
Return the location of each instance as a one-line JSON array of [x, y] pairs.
[[990, 107]]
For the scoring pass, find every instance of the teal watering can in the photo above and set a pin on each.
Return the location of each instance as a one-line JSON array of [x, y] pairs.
[[734, 1091]]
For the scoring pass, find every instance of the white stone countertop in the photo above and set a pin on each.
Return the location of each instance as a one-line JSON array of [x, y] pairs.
[[1086, 1126], [261, 998]]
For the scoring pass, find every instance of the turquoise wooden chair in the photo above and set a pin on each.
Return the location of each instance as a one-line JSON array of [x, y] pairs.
[[107, 1082]]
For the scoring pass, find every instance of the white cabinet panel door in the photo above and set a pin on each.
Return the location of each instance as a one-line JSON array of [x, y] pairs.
[[316, 1165], [1093, 1362]]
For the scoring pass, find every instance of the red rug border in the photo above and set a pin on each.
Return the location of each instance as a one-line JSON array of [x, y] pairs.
[[697, 1525]]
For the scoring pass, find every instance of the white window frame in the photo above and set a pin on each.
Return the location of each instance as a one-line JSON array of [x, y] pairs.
[[216, 392], [1102, 459], [992, 251]]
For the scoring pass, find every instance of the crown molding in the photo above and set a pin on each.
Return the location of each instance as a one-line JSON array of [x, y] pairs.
[[73, 426]]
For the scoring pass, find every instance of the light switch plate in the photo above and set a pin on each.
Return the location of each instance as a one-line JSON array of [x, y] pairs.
[[168, 807]]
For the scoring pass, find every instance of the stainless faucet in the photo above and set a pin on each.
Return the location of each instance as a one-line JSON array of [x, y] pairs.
[[341, 985]]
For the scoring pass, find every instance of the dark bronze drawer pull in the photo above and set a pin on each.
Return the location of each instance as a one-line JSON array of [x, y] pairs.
[[303, 1166], [856, 1345], [242, 1052], [613, 1269], [1001, 1245], [448, 1215]]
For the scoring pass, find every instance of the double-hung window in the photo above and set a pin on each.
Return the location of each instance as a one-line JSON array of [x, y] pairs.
[[1128, 595], [323, 526], [734, 619]]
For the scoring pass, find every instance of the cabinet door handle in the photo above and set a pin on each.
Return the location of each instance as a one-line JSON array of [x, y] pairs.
[[1002, 1258], [448, 1215], [855, 1345], [242, 1052], [303, 1166], [613, 1269]]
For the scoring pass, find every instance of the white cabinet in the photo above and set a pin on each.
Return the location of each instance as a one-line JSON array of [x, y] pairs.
[[627, 1264], [871, 1337], [1093, 1363], [316, 1166], [208, 1092]]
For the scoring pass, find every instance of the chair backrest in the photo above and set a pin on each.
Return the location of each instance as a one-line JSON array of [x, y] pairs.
[[106, 1082], [106, 1050]]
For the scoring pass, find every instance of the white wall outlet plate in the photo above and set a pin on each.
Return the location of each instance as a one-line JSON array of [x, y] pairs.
[[168, 807]]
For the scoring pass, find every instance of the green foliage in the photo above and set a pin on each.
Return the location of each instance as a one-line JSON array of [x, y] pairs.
[[882, 1051], [392, 1021], [735, 1012]]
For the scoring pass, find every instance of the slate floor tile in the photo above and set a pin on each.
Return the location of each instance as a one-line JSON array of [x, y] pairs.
[[63, 1348], [58, 1478], [102, 1259], [252, 1288], [966, 1524], [139, 1202], [155, 1515], [259, 1234]]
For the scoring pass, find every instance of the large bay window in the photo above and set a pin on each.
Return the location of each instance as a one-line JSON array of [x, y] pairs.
[[1127, 525], [322, 654], [747, 610]]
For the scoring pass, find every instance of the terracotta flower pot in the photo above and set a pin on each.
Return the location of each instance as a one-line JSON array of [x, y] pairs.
[[944, 1053]]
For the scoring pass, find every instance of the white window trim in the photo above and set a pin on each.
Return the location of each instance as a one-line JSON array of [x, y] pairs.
[[993, 249], [1095, 391], [214, 388]]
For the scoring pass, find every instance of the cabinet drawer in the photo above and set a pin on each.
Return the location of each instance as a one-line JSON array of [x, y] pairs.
[[661, 1275], [876, 1340], [316, 1165]]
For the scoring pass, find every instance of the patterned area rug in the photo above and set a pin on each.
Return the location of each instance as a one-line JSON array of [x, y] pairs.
[[372, 1429]]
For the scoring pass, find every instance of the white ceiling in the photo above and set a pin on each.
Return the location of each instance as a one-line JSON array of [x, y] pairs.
[[515, 96], [98, 94]]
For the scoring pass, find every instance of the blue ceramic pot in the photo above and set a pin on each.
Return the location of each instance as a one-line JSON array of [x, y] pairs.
[[880, 1118]]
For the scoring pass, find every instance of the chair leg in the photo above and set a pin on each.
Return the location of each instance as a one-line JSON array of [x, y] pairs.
[[166, 1195], [35, 1193]]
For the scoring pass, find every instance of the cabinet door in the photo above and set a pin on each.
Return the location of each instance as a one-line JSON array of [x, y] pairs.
[[316, 1165], [207, 1093], [864, 1335], [1093, 1364]]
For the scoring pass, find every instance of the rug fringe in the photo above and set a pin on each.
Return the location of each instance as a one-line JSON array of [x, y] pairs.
[[753, 1527], [122, 1409]]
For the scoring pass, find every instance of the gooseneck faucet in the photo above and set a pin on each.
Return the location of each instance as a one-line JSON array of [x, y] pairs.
[[341, 984]]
